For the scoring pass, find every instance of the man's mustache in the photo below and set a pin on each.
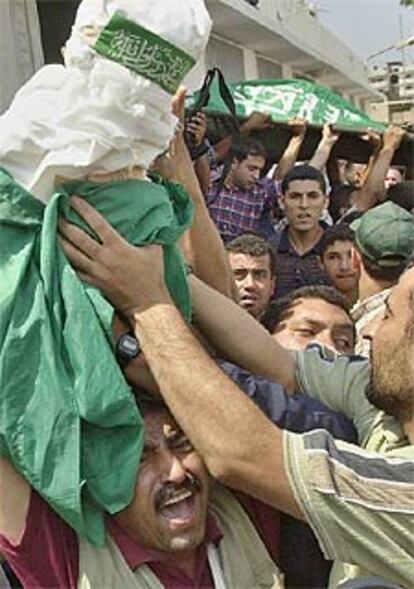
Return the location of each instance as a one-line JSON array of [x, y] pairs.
[[169, 490]]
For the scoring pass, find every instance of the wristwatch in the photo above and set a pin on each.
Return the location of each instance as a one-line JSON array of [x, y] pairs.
[[199, 150], [127, 348]]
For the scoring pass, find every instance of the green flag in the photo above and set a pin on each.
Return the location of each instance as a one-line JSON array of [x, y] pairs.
[[68, 420], [287, 99]]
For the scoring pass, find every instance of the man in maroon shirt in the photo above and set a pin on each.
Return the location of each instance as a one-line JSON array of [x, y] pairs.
[[168, 526]]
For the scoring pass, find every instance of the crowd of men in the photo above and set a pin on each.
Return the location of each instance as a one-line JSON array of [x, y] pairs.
[[343, 493], [279, 428]]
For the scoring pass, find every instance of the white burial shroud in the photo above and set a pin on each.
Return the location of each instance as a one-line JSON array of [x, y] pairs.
[[93, 114]]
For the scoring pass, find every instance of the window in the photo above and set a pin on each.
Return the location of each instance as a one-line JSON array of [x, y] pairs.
[[268, 70], [226, 57]]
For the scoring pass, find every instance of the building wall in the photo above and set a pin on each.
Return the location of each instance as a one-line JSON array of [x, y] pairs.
[[395, 81], [380, 78], [20, 48], [279, 38], [228, 56], [287, 40]]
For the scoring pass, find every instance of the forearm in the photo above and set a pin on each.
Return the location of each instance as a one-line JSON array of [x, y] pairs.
[[239, 337], [228, 430], [202, 170], [373, 186], [288, 159], [203, 246], [321, 155]]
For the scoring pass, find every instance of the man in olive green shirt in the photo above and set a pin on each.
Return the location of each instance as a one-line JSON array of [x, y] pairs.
[[340, 382], [359, 502]]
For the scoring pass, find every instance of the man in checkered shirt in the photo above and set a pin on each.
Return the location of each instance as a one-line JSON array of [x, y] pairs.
[[244, 202]]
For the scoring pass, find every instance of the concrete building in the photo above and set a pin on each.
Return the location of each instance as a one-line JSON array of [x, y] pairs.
[[251, 39], [283, 39], [395, 82]]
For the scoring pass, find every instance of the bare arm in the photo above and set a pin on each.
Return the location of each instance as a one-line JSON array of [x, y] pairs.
[[373, 185], [202, 244], [241, 338], [324, 149], [196, 127], [202, 170], [290, 155], [224, 425], [14, 501], [204, 247]]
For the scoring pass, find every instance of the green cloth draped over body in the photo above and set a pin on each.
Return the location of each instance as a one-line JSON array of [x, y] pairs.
[[68, 419]]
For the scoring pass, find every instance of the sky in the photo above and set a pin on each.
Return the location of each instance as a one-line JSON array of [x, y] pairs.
[[367, 26]]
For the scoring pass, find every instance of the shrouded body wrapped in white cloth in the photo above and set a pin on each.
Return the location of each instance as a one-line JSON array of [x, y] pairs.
[[94, 114], [68, 420]]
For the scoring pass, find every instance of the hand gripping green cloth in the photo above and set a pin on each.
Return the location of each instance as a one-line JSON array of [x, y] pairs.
[[68, 419]]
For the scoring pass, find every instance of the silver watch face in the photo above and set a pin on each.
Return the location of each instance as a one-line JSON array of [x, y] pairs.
[[128, 346]]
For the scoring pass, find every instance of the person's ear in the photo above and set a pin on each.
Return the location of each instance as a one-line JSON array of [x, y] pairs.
[[356, 260]]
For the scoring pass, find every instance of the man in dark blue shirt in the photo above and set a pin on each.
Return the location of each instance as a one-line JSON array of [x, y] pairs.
[[303, 201]]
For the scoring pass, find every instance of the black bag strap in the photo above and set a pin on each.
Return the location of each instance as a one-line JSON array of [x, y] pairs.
[[204, 92], [227, 97]]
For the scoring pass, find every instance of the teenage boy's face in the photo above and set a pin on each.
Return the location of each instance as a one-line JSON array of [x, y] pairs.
[[337, 261]]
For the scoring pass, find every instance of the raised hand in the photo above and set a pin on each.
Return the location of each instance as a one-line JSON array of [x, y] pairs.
[[257, 121], [197, 126], [298, 127], [329, 135], [392, 137], [132, 278]]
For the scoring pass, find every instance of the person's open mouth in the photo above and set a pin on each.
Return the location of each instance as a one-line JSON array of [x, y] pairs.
[[180, 508]]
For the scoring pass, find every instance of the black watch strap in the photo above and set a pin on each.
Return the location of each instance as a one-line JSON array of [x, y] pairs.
[[196, 152], [127, 348]]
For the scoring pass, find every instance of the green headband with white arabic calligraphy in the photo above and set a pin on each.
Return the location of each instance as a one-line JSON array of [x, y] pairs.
[[144, 52]]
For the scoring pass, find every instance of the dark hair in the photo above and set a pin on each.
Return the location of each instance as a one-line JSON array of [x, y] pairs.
[[147, 402], [378, 272], [340, 198], [402, 194], [349, 218], [334, 234], [279, 309], [303, 172], [241, 150], [253, 244]]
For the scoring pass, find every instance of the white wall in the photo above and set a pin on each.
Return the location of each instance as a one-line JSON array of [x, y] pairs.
[[20, 46]]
